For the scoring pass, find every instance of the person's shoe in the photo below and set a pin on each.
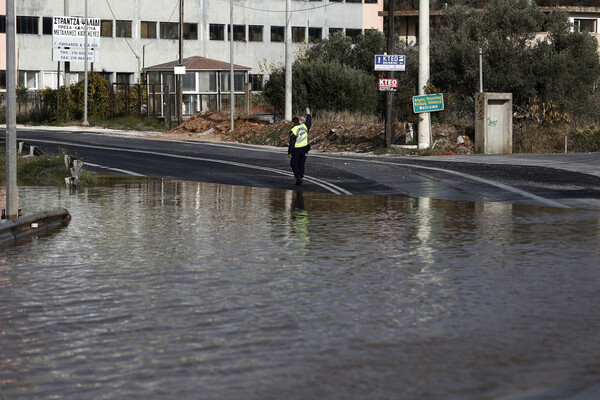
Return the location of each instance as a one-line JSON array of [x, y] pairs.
[[298, 181]]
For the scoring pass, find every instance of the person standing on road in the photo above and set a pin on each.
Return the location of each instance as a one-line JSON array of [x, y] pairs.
[[298, 147]]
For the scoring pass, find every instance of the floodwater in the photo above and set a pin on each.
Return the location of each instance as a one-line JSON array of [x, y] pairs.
[[184, 290]]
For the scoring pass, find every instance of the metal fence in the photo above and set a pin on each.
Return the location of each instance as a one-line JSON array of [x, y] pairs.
[[123, 99]]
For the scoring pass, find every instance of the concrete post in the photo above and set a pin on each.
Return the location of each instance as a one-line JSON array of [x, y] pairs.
[[85, 69], [288, 60], [231, 76], [12, 198], [424, 127]]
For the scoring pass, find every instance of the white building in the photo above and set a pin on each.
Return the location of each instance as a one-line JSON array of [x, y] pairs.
[[136, 34]]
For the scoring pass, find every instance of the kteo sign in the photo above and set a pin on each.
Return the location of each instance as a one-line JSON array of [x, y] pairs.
[[388, 85]]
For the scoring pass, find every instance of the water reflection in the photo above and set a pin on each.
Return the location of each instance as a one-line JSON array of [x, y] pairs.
[[163, 288]]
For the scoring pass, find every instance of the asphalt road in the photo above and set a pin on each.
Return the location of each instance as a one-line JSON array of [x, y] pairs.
[[556, 180]]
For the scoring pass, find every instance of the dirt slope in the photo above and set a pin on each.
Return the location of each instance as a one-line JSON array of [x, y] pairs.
[[210, 126]]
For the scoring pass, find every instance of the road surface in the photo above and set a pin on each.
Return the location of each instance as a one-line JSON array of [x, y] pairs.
[[556, 180]]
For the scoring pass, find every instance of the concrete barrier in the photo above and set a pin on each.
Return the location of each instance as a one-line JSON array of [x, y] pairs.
[[41, 223]]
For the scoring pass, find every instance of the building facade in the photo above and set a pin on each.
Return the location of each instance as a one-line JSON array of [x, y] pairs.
[[136, 34]]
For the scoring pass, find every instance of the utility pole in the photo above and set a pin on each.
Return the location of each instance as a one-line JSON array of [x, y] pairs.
[[288, 60], [85, 69], [231, 80], [67, 63], [389, 134], [12, 198], [424, 127], [180, 77]]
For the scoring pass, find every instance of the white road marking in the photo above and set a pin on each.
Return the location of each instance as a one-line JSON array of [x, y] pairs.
[[324, 184]]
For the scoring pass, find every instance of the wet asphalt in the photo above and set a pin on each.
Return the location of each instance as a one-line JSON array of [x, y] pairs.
[[570, 180]]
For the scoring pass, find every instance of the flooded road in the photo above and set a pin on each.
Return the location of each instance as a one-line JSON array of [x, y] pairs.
[[166, 289]]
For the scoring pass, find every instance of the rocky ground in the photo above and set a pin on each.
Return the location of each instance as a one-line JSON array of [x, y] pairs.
[[208, 126]]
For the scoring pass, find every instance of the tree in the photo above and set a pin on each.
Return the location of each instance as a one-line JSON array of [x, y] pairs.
[[561, 67]]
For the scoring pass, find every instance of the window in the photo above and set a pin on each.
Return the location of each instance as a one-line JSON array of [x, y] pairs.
[[47, 26], [298, 34], [3, 79], [169, 30], [108, 76], [106, 28], [238, 81], [370, 1], [2, 23], [190, 31], [148, 30], [255, 33], [333, 31], [153, 78], [124, 77], [216, 32], [123, 28], [277, 33], [207, 81], [28, 25], [353, 34], [28, 79], [257, 82], [189, 82], [315, 34], [239, 32], [585, 25]]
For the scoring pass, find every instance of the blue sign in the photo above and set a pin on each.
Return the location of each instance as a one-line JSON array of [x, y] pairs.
[[390, 63]]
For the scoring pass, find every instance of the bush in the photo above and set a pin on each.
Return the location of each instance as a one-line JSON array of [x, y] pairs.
[[586, 140], [324, 85]]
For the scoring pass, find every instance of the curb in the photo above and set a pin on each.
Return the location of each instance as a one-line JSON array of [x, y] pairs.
[[32, 225]]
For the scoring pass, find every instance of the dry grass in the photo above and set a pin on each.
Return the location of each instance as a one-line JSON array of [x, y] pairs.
[[346, 117]]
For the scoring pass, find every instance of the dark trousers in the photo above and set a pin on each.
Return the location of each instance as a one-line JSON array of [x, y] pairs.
[[297, 161]]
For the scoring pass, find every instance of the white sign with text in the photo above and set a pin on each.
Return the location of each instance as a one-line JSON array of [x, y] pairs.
[[70, 32]]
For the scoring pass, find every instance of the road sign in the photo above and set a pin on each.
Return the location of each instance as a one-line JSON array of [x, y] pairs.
[[75, 55], [428, 103], [388, 85], [70, 32], [390, 63]]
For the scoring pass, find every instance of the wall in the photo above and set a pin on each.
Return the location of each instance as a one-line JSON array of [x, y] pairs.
[[132, 54]]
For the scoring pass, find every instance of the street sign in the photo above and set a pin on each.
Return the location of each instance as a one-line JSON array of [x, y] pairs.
[[179, 70], [428, 103], [75, 55], [388, 85], [70, 32], [390, 63]]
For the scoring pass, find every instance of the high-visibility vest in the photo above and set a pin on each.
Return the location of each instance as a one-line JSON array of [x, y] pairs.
[[301, 134]]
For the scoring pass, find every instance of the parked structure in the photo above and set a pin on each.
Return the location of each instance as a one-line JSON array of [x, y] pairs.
[[205, 85], [136, 34]]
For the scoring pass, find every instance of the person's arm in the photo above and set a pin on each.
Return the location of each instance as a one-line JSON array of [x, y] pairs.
[[292, 143]]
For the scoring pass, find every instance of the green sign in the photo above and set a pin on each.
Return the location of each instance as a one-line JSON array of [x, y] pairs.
[[428, 103]]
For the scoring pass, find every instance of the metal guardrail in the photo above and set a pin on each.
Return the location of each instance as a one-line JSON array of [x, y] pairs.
[[13, 231]]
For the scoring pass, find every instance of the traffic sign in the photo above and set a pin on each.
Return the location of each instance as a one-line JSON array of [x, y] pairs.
[[388, 85], [428, 103], [390, 63]]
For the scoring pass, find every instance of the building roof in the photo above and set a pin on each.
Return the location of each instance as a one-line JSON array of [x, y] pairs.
[[197, 63]]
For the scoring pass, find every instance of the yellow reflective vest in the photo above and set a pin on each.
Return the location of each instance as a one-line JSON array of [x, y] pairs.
[[301, 134]]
